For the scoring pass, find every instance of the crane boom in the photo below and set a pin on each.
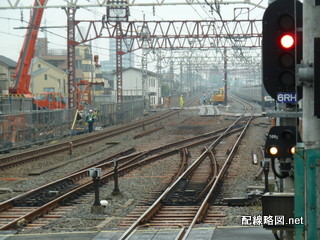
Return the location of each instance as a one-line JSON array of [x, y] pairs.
[[21, 74]]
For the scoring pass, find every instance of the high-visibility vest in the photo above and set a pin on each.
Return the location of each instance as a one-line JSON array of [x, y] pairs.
[[181, 100], [90, 118]]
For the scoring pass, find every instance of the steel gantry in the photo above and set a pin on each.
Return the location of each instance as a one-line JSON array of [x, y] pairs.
[[20, 4], [236, 34], [213, 59], [175, 34], [71, 58], [197, 34]]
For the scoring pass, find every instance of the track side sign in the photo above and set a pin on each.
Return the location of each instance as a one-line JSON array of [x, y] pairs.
[[287, 97]]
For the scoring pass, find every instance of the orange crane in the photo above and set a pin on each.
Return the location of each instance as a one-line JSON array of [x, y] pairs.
[[15, 127], [21, 74]]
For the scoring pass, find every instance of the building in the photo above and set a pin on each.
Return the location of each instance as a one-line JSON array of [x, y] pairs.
[[88, 73], [127, 59], [58, 58], [7, 69], [41, 48], [85, 66], [132, 85], [48, 78]]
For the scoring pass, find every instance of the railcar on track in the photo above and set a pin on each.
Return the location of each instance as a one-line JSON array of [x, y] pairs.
[[218, 97]]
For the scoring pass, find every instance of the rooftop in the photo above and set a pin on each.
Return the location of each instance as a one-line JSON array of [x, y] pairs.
[[7, 61]]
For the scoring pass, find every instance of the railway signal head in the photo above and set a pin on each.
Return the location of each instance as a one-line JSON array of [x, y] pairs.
[[282, 47], [287, 41], [281, 142]]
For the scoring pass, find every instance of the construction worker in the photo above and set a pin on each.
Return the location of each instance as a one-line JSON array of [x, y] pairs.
[[96, 115], [181, 101], [90, 120], [204, 99]]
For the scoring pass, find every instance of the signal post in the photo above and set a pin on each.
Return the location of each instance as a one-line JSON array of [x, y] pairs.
[[282, 54], [308, 198], [287, 73]]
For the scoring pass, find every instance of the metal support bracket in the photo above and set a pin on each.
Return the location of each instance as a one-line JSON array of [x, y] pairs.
[[305, 73]]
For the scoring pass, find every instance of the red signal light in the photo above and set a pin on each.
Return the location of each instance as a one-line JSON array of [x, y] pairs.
[[286, 41]]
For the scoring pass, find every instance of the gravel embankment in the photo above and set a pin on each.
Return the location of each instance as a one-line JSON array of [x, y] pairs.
[[140, 182]]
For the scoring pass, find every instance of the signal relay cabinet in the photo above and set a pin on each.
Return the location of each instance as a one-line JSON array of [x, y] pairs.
[[276, 205]]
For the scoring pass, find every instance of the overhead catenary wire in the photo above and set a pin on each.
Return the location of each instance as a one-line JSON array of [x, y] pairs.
[[214, 7]]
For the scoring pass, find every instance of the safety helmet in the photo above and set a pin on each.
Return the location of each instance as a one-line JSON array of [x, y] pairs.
[[90, 111]]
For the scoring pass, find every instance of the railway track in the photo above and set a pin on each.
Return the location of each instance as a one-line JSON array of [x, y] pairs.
[[187, 199], [45, 201], [21, 158], [65, 146]]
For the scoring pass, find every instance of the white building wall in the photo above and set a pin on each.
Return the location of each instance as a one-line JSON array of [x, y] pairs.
[[131, 80], [152, 86], [132, 85]]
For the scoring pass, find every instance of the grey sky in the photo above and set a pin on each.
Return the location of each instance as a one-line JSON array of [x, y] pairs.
[[12, 39]]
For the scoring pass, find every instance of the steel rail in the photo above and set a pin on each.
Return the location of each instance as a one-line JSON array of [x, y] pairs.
[[60, 147], [213, 177], [183, 166], [157, 204], [125, 167], [205, 204], [76, 175], [72, 193], [76, 191], [33, 155], [128, 159]]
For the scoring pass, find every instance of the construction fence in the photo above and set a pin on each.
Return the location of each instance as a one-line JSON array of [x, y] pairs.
[[25, 127]]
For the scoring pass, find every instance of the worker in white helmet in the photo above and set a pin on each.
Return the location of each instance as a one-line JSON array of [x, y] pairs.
[[90, 120]]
